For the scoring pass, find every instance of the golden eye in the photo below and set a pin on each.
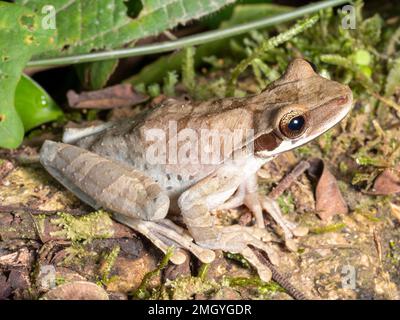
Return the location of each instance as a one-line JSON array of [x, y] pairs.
[[293, 124]]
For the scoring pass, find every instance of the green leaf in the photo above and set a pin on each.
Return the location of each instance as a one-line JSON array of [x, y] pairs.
[[94, 76], [241, 14], [192, 40], [21, 36], [34, 105], [90, 25]]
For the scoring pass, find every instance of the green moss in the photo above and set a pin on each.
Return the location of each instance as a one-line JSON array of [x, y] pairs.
[[39, 221], [238, 258], [326, 141], [203, 271], [154, 90], [170, 81], [76, 254], [142, 291], [329, 228], [286, 203], [96, 225], [188, 71], [394, 253], [60, 280], [264, 288], [184, 288], [304, 151], [107, 265], [343, 167], [363, 178]]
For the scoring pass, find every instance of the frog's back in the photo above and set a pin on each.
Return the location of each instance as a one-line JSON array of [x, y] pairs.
[[131, 141]]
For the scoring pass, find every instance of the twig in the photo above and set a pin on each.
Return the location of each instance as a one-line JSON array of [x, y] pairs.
[[378, 246], [279, 278], [289, 179], [15, 208]]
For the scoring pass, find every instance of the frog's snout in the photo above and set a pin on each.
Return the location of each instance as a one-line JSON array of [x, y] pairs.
[[347, 98]]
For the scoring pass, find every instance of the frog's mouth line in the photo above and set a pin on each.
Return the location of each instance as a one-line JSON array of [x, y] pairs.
[[270, 144]]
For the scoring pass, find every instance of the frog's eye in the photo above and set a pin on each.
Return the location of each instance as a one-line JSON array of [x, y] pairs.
[[293, 124]]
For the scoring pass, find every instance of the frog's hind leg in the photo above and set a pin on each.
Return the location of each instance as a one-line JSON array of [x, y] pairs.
[[135, 199]]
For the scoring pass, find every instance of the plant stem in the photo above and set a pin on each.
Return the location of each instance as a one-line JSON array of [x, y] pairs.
[[187, 41]]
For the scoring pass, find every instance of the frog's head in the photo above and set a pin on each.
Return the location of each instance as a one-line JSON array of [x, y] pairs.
[[297, 108]]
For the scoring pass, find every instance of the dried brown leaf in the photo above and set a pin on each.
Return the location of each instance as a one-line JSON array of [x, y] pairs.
[[329, 200], [388, 182], [122, 95]]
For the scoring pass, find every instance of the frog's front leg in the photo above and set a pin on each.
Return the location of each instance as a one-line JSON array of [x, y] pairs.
[[134, 198], [248, 195], [196, 204]]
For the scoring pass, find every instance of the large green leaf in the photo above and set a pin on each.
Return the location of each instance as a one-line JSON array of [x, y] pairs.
[[82, 26], [87, 25], [95, 75], [21, 36], [157, 70], [34, 105]]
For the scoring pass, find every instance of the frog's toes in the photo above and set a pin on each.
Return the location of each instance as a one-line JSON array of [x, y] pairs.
[[290, 229], [165, 234], [300, 231], [239, 239], [263, 271]]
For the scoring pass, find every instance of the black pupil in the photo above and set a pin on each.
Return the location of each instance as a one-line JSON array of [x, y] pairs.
[[296, 124]]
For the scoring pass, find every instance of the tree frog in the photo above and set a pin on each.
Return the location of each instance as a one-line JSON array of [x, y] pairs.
[[142, 168]]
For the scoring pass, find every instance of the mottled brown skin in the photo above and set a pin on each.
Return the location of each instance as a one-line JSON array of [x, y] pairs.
[[116, 175]]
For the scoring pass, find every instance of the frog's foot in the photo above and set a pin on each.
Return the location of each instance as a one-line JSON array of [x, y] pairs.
[[238, 239], [290, 229], [165, 234]]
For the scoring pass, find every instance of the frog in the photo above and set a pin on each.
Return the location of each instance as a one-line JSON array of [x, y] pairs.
[[124, 166]]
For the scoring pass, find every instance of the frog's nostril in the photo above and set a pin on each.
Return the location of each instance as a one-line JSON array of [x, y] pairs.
[[342, 100]]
